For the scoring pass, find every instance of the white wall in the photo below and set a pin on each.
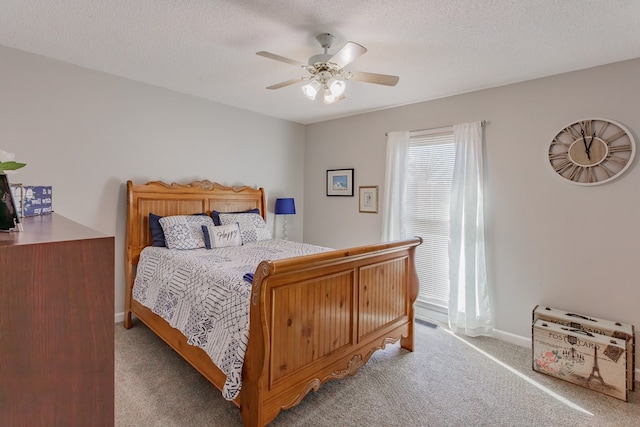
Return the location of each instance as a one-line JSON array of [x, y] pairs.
[[548, 241], [86, 133]]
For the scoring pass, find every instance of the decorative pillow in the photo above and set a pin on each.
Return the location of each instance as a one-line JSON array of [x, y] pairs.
[[156, 229], [221, 236], [252, 226], [184, 231], [215, 215]]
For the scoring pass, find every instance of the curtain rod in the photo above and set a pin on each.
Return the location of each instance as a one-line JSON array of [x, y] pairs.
[[482, 123]]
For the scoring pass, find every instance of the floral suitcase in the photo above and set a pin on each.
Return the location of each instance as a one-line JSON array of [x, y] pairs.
[[609, 328], [587, 359]]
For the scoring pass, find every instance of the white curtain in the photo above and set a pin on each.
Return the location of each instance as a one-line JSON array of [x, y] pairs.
[[469, 308], [395, 179]]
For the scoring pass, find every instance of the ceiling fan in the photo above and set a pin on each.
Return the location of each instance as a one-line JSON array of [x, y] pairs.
[[327, 73]]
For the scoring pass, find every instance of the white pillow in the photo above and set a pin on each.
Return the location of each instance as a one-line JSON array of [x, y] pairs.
[[252, 226], [221, 236], [184, 231]]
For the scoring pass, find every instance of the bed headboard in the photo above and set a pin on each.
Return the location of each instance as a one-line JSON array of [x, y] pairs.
[[180, 199]]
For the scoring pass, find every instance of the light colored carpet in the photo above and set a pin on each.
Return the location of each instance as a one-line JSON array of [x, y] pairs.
[[446, 381]]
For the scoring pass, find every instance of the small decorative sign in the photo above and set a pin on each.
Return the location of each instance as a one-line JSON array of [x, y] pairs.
[[37, 200]]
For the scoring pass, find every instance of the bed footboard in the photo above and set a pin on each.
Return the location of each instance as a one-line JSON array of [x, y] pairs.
[[321, 317]]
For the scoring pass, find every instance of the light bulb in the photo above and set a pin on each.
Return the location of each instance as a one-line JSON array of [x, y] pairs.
[[336, 87], [311, 89], [329, 98]]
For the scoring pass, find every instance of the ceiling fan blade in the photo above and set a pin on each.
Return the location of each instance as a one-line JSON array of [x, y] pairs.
[[280, 58], [379, 79], [287, 83], [347, 53]]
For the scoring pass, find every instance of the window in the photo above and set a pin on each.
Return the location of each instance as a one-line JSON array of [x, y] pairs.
[[430, 171]]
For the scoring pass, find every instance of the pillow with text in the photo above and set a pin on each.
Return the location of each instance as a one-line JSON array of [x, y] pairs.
[[221, 236]]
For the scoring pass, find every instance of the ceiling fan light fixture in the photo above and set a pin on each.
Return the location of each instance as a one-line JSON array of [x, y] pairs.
[[336, 87], [329, 98], [327, 71], [311, 89]]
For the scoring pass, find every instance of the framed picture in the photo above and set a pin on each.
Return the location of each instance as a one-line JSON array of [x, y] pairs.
[[9, 219], [369, 199], [18, 193], [340, 182]]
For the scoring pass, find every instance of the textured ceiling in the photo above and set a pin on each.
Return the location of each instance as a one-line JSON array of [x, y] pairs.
[[437, 47]]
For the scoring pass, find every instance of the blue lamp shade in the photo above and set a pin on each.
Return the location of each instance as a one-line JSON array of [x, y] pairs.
[[285, 206]]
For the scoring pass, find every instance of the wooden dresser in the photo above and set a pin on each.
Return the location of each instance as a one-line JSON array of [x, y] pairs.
[[56, 325]]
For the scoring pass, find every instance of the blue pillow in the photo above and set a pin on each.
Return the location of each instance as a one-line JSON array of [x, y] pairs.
[[156, 229], [215, 215]]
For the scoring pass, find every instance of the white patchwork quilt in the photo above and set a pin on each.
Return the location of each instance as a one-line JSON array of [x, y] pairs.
[[202, 293]]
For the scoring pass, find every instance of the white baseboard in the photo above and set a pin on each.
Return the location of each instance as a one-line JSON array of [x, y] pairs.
[[512, 338], [119, 317]]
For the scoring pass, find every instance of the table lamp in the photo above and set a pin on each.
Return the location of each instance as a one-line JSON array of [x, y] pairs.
[[285, 206]]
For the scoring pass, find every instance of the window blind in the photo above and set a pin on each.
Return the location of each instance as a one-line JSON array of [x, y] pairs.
[[431, 159]]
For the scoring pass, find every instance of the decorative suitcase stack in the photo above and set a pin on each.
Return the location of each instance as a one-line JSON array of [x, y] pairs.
[[594, 353]]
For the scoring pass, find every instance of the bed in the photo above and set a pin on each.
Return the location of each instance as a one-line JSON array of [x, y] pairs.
[[312, 318]]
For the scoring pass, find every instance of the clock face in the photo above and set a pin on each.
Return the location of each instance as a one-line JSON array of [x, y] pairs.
[[592, 151]]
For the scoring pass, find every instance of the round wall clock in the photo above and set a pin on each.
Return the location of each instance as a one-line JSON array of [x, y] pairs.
[[592, 151]]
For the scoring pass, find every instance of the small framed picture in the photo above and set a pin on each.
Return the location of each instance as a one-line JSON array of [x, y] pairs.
[[18, 192], [369, 199], [9, 219], [340, 182]]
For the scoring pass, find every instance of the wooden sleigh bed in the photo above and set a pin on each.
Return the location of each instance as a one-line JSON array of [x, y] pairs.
[[312, 318]]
